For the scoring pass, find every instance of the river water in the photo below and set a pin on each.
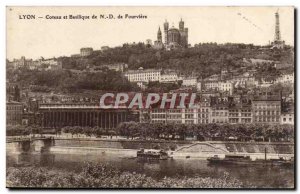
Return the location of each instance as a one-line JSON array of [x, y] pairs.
[[259, 176]]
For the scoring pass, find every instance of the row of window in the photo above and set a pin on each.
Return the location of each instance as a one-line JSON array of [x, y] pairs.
[[219, 114], [267, 112], [285, 119], [203, 115], [236, 120], [243, 110], [264, 119], [218, 120], [266, 106], [14, 107]]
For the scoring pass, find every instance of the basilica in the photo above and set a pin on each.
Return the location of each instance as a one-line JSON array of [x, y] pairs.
[[174, 38]]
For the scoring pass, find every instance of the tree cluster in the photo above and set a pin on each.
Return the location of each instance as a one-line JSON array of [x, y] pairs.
[[108, 176], [241, 132], [65, 80]]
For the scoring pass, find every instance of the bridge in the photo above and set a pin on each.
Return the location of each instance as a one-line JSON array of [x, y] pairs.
[[29, 144]]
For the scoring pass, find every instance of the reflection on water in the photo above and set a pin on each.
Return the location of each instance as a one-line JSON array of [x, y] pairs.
[[259, 176]]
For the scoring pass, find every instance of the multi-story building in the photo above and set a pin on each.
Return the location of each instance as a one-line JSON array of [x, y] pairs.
[[219, 113], [158, 115], [283, 65], [49, 64], [84, 114], [286, 79], [211, 85], [262, 110], [14, 113], [244, 80], [12, 92], [142, 85], [189, 81], [225, 87], [240, 113], [199, 86], [287, 118], [86, 51], [22, 62], [266, 109], [204, 112], [190, 116], [169, 77], [176, 115], [222, 86], [143, 75], [208, 94]]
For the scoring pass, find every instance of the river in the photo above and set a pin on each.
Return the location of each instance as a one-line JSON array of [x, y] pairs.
[[259, 176]]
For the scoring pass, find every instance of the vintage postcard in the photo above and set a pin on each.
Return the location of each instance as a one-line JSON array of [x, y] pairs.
[[150, 97]]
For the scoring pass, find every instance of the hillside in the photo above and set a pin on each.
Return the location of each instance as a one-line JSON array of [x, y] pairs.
[[202, 60]]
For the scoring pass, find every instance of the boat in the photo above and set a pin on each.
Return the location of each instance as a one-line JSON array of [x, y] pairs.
[[290, 162], [246, 160], [230, 159], [235, 159], [152, 154]]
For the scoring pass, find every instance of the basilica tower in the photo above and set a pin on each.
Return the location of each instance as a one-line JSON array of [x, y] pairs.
[[166, 28], [159, 35], [181, 25]]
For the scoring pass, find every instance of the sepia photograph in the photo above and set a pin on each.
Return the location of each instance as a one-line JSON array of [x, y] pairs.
[[153, 97]]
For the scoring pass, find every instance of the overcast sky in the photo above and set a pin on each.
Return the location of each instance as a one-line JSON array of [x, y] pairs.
[[53, 38]]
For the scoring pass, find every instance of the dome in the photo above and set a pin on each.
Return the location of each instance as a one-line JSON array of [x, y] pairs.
[[173, 30], [173, 35]]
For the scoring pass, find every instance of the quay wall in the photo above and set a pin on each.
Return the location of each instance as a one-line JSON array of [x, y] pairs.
[[183, 146], [174, 147]]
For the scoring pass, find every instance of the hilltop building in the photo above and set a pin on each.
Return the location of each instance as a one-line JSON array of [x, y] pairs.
[[174, 38]]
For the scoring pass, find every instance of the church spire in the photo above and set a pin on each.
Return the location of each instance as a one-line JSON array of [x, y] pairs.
[[181, 25], [159, 36]]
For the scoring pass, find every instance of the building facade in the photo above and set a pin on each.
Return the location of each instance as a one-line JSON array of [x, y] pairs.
[[266, 110], [86, 51], [219, 113], [240, 114], [204, 113], [286, 79], [174, 38], [169, 77], [22, 62], [14, 113], [287, 118], [142, 75], [189, 81], [83, 114], [226, 87]]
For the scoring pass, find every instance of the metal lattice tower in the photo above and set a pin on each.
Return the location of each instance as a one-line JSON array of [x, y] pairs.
[[277, 28]]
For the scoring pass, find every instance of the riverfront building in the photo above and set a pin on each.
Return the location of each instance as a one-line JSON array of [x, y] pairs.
[[240, 114], [14, 113], [287, 118], [83, 114], [266, 110]]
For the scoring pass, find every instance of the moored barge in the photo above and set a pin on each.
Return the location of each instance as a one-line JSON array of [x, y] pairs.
[[152, 154]]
